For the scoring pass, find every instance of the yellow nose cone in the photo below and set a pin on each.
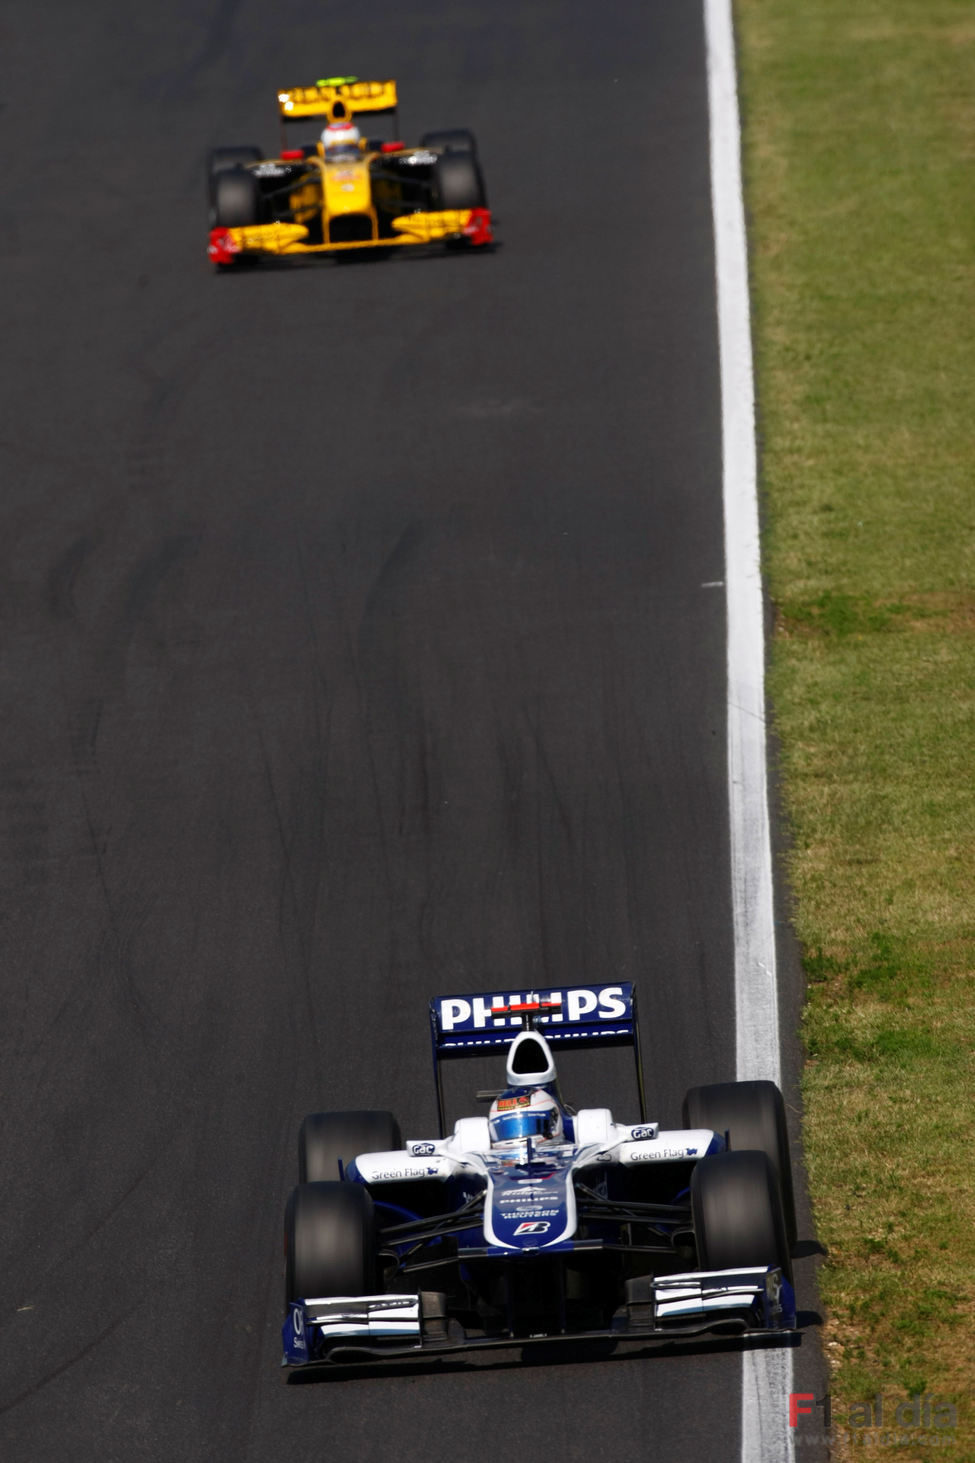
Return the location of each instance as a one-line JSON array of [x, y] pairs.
[[347, 187]]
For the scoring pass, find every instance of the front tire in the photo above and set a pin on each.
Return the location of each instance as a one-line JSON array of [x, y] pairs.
[[458, 182], [328, 1141], [737, 1213], [236, 200], [752, 1114], [329, 1242], [222, 159]]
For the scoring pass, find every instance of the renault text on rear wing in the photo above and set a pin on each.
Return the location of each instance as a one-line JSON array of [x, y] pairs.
[[299, 102]]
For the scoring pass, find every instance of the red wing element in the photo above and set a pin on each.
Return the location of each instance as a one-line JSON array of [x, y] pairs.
[[222, 249], [478, 230], [513, 1009]]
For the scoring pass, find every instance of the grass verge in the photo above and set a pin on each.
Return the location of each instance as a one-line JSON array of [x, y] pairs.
[[859, 138]]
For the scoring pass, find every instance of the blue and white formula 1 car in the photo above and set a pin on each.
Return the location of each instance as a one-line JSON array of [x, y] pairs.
[[537, 1222]]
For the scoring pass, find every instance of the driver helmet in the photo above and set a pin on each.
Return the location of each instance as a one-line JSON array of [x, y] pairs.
[[519, 1114], [340, 138]]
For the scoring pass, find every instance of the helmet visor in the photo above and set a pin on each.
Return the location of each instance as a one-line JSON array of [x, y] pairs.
[[508, 1126]]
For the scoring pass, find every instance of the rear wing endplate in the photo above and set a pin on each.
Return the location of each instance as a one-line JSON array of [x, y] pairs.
[[577, 1016]]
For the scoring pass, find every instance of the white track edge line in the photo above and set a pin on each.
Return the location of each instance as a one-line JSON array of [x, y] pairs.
[[767, 1375]]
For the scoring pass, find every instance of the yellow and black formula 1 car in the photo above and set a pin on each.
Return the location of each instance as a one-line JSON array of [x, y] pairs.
[[332, 190]]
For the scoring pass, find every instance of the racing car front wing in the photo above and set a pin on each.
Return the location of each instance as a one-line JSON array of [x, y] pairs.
[[471, 225], [374, 1328]]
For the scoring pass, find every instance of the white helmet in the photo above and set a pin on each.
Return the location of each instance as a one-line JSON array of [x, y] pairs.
[[340, 138], [520, 1114]]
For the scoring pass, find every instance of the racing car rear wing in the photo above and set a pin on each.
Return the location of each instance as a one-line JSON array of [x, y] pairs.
[[315, 101], [580, 1016]]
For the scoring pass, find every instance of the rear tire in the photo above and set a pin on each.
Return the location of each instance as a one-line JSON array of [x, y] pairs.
[[458, 182], [737, 1213], [753, 1116], [329, 1242], [326, 1138], [236, 200], [451, 139]]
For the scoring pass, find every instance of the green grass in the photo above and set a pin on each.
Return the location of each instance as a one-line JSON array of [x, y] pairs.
[[859, 123]]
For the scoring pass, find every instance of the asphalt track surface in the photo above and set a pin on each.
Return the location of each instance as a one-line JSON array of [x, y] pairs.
[[363, 639]]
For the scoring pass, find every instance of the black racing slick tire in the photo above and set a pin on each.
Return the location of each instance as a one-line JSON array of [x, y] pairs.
[[457, 181], [736, 1210], [236, 200], [222, 159], [329, 1242], [451, 139], [751, 1115], [328, 1141]]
